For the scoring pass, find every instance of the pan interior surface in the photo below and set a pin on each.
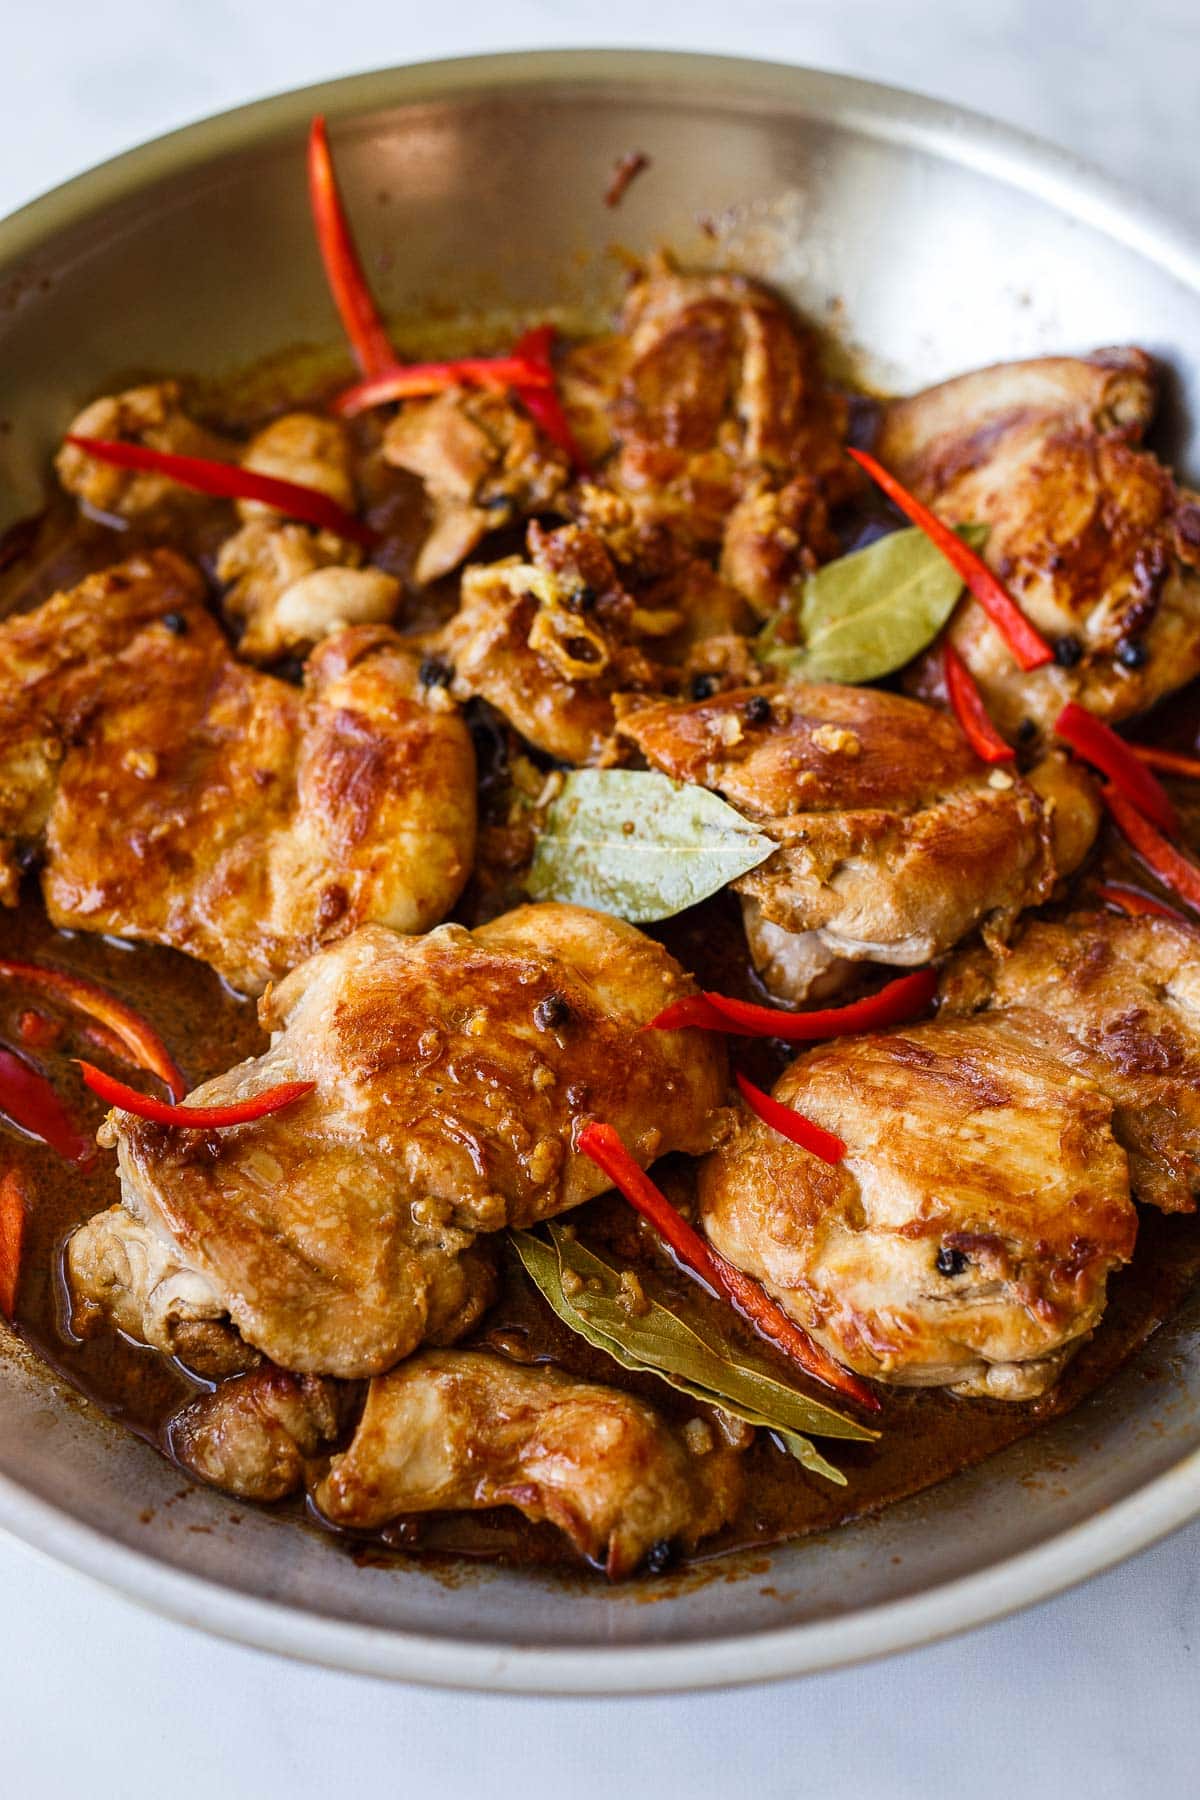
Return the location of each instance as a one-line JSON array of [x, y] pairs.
[[926, 242]]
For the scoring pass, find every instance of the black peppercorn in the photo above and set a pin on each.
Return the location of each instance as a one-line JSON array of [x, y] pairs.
[[581, 600], [703, 687], [175, 623], [758, 710], [659, 1557], [1068, 651], [1026, 731], [435, 673], [1131, 654], [950, 1262], [551, 1012]]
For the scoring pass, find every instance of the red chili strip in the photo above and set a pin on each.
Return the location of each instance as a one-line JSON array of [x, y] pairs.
[[604, 1147], [790, 1123], [1027, 644], [543, 403], [1175, 870], [895, 1004], [411, 381], [27, 1098], [360, 316], [139, 1042], [229, 481], [12, 1239], [1136, 904], [970, 711], [38, 1032], [1099, 745], [193, 1118], [1171, 762]]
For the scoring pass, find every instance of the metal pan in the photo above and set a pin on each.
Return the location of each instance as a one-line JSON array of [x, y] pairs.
[[933, 241]]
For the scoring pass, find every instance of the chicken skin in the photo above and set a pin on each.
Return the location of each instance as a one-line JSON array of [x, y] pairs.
[[894, 839], [712, 396], [1116, 1000], [967, 1237], [184, 799], [1090, 533], [255, 1435], [451, 1073], [458, 1429]]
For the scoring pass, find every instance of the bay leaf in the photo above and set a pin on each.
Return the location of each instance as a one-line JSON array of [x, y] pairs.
[[869, 613], [681, 1346], [635, 843]]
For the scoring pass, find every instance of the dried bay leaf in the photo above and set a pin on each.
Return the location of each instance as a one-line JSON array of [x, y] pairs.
[[637, 844], [869, 613], [687, 1352]]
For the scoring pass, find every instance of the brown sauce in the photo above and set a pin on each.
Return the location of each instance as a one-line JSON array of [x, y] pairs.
[[926, 1435]]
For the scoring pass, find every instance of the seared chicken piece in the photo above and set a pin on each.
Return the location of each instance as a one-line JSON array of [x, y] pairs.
[[1116, 1000], [126, 1273], [549, 641], [255, 1435], [452, 1072], [187, 800], [464, 1429], [716, 396], [289, 587], [306, 447], [895, 840], [1091, 535], [153, 415], [483, 464], [968, 1235]]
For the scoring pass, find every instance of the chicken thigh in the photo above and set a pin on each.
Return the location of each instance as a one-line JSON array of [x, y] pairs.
[[1089, 532], [451, 1074], [185, 799], [967, 1237], [1118, 1001], [466, 1429], [894, 839]]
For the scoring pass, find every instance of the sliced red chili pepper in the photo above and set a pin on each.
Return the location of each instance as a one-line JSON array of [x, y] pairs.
[[12, 1238], [229, 481], [193, 1118], [543, 404], [970, 711], [1171, 762], [1175, 870], [136, 1037], [1027, 644], [1136, 904], [28, 1099], [693, 1010], [360, 316], [411, 381], [1098, 744], [604, 1147], [790, 1123], [895, 1004]]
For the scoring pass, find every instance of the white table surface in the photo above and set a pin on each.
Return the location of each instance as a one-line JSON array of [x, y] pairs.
[[1093, 1693]]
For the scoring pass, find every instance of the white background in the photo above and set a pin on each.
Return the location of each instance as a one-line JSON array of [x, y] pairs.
[[1096, 1693]]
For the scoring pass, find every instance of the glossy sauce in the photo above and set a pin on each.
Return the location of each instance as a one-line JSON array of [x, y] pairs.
[[925, 1435]]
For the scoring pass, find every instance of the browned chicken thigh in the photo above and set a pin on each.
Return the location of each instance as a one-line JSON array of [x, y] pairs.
[[895, 840], [154, 415], [968, 1235], [451, 1073], [457, 1429], [1118, 1001], [1089, 532], [185, 799]]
